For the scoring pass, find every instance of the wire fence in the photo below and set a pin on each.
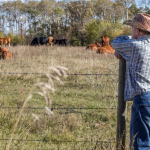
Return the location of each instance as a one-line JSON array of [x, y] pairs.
[[92, 101], [74, 74]]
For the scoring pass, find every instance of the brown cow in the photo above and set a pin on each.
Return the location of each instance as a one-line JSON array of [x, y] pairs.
[[105, 49], [98, 44], [105, 40], [94, 46], [51, 40], [5, 53], [5, 41]]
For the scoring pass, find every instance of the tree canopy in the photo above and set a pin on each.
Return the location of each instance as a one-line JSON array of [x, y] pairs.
[[72, 19]]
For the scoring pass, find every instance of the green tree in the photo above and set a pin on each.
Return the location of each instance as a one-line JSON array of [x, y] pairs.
[[133, 9], [46, 9], [18, 40], [103, 9], [81, 13], [93, 32], [1, 34], [117, 12], [97, 28], [126, 4], [11, 37]]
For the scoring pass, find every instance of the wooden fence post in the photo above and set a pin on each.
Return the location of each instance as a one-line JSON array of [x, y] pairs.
[[122, 108]]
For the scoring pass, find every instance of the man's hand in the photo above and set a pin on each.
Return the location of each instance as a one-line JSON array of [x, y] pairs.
[[117, 55]]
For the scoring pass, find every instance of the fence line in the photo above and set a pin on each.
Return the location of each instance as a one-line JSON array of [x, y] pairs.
[[49, 73], [76, 110], [55, 141], [51, 108]]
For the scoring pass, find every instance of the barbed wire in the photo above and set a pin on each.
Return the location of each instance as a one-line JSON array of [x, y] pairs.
[[46, 140], [69, 110], [49, 73], [51, 108]]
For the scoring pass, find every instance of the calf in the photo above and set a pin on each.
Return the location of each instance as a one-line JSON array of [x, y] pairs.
[[4, 53]]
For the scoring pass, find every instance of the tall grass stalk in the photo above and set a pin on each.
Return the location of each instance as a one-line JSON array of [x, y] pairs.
[[44, 87]]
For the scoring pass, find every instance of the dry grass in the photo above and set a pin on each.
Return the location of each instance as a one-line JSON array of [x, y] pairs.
[[77, 92], [44, 87], [27, 59]]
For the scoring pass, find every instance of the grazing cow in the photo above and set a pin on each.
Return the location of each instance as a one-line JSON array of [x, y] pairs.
[[5, 41], [61, 41], [94, 46], [105, 49], [40, 41], [105, 40], [4, 53], [51, 40]]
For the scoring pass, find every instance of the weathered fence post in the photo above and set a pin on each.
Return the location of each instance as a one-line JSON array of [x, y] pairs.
[[122, 107]]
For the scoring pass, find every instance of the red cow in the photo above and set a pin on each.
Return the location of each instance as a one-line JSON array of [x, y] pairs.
[[4, 53], [105, 49], [94, 46], [5, 41], [105, 40]]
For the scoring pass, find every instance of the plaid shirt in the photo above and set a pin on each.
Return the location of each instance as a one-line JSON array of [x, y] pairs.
[[136, 52]]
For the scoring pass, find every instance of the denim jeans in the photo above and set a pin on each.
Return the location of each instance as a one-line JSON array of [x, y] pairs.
[[140, 122]]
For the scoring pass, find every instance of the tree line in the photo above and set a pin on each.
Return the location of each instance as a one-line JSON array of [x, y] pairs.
[[80, 21]]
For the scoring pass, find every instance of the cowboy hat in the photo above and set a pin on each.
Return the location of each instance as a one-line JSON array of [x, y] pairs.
[[140, 21]]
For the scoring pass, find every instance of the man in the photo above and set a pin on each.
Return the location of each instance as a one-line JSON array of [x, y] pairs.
[[136, 52]]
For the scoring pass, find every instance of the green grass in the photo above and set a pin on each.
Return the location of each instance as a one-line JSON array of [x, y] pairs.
[[72, 128]]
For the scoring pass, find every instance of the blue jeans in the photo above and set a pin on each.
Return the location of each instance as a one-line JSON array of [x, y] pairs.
[[140, 122]]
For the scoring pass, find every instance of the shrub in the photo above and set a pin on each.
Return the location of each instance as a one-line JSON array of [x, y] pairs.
[[1, 34], [97, 28], [18, 40], [11, 37]]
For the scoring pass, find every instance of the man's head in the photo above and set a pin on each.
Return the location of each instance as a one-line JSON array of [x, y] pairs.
[[140, 25], [136, 33]]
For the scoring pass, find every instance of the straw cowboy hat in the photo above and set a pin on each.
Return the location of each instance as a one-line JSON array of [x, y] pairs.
[[140, 21]]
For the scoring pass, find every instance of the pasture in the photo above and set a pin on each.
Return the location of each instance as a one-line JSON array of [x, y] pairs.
[[84, 106]]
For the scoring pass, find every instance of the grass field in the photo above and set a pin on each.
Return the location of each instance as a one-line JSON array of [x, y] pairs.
[[84, 107]]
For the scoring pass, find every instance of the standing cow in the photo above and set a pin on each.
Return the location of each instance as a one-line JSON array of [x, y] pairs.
[[105, 40], [51, 40], [5, 41], [40, 41], [61, 42]]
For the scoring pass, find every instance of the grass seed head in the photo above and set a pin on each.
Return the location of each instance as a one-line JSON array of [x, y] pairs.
[[49, 111], [36, 117]]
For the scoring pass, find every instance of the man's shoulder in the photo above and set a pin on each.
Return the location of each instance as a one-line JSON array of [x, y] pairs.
[[144, 38], [128, 39], [123, 39]]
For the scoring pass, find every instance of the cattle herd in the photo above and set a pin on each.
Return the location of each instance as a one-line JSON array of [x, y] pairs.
[[37, 41], [105, 48]]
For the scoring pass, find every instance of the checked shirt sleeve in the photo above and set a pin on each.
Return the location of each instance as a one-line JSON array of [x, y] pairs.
[[123, 45]]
